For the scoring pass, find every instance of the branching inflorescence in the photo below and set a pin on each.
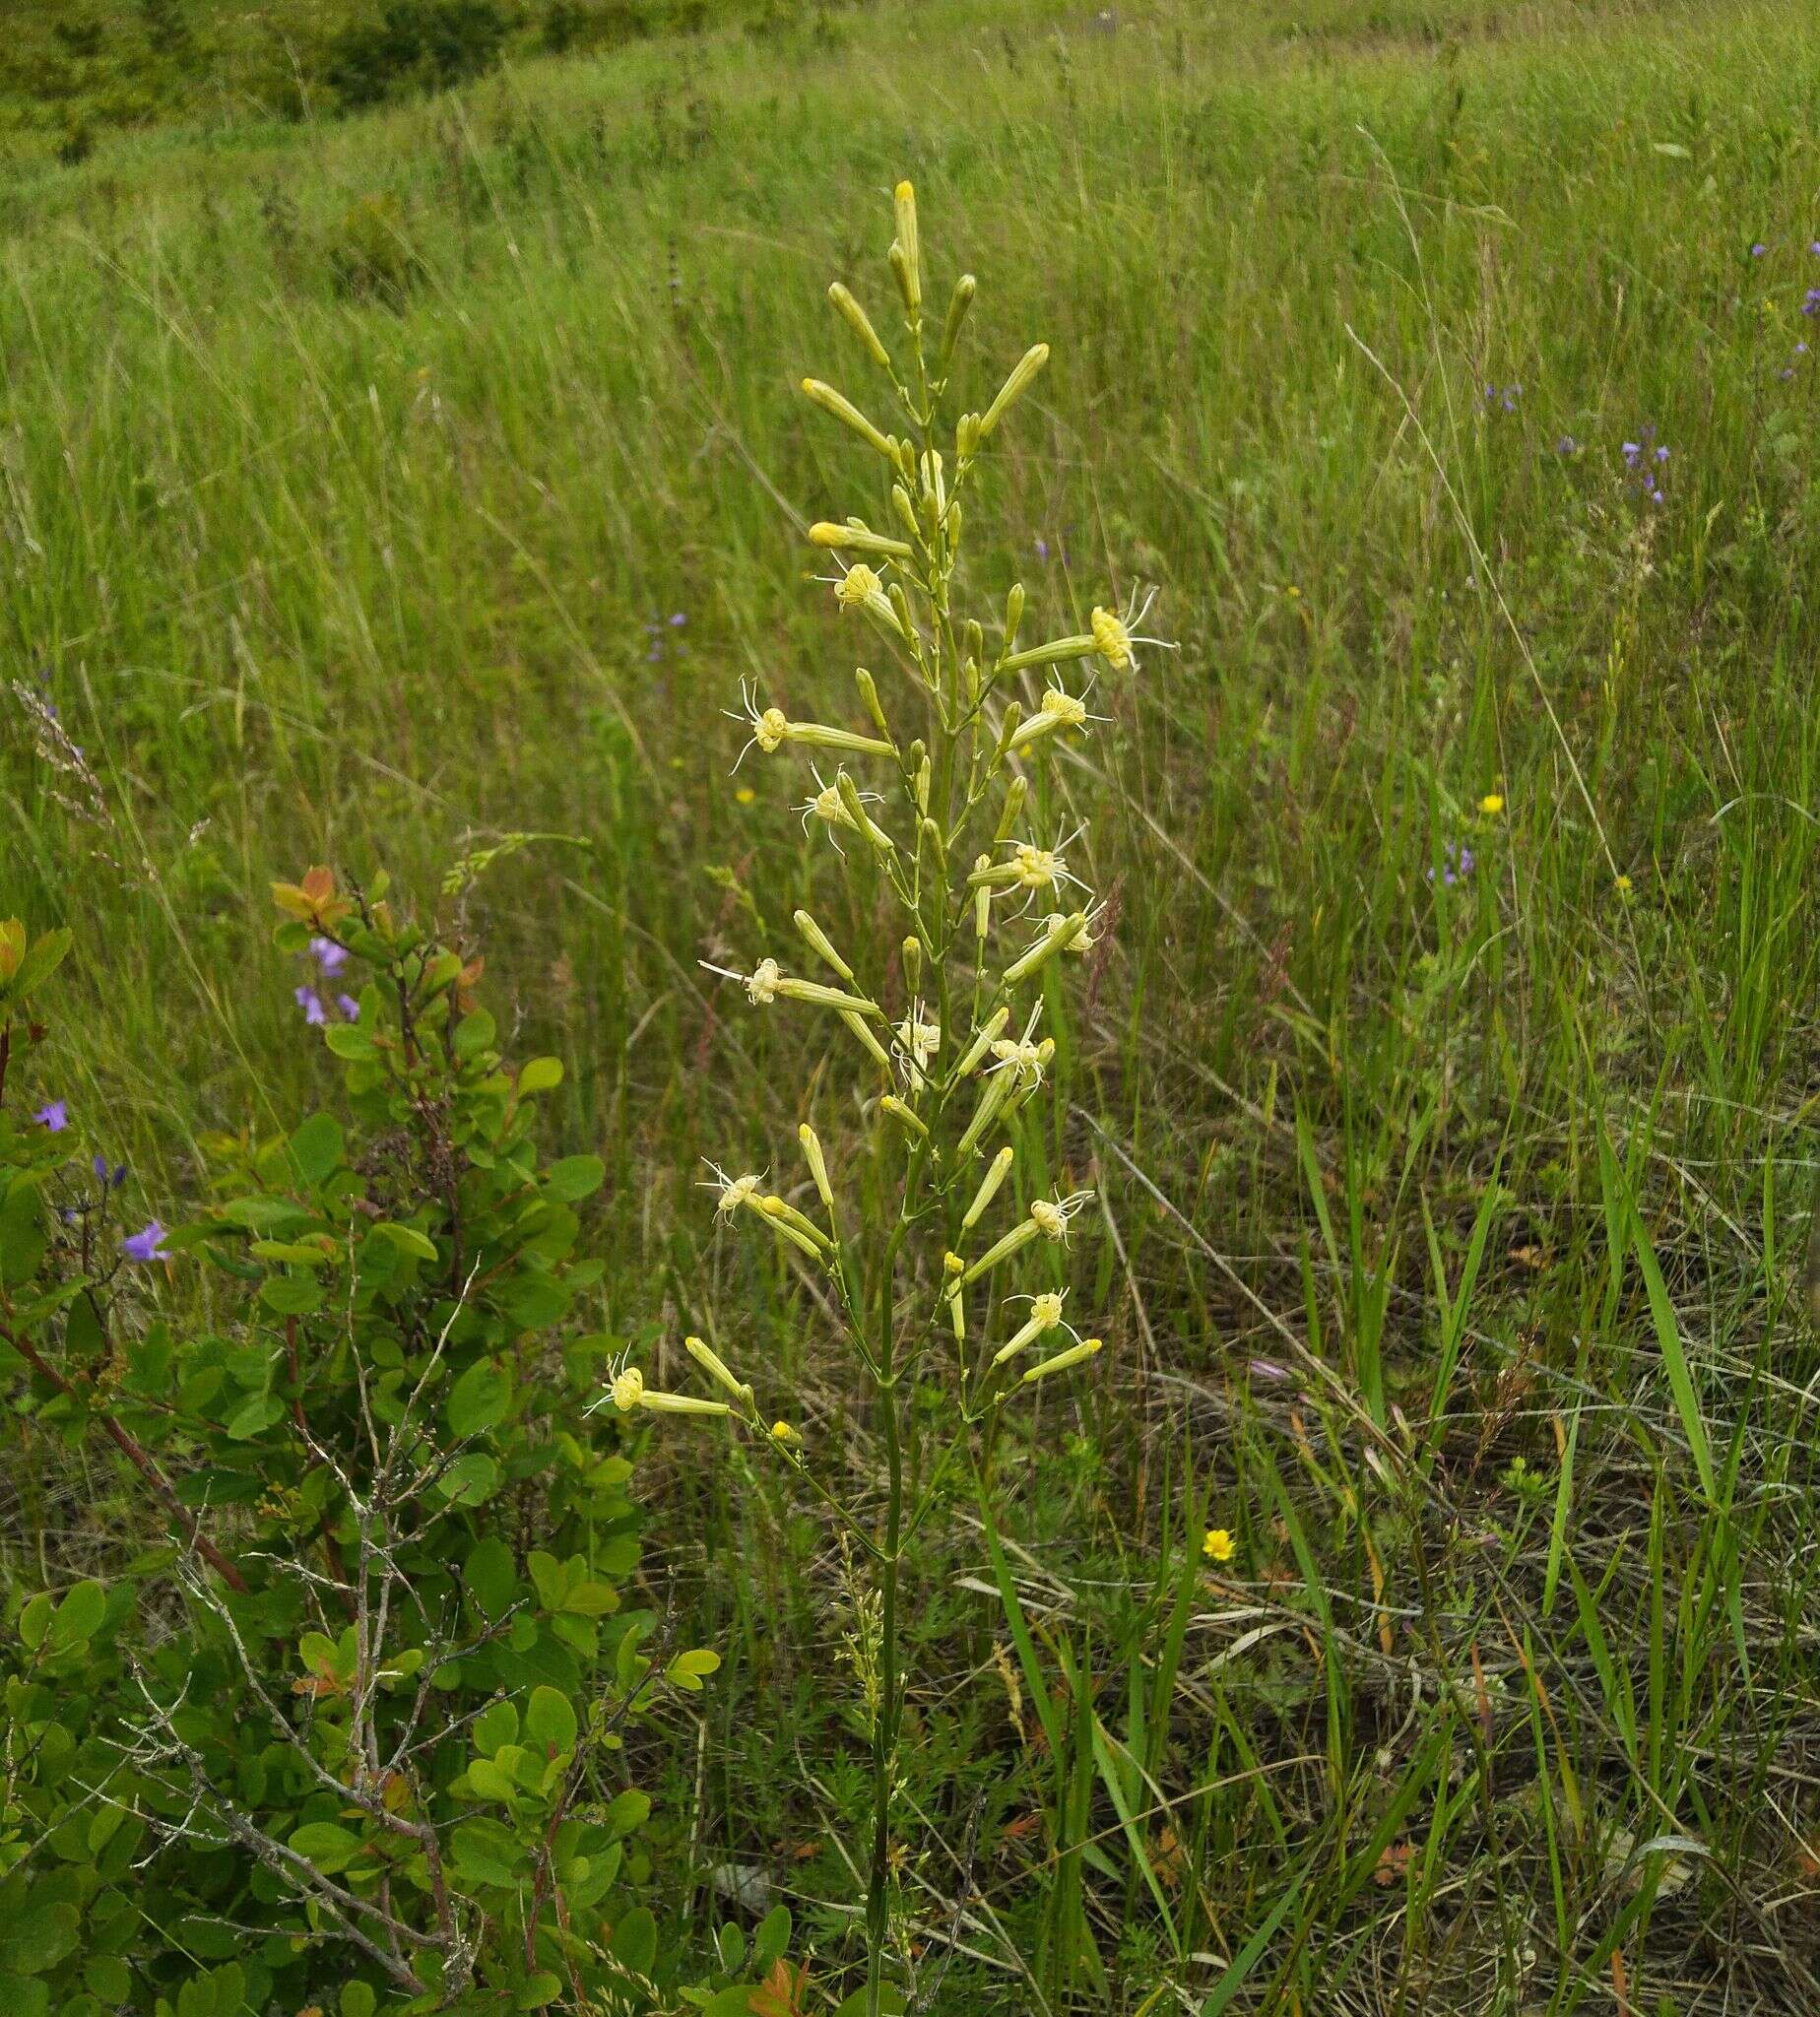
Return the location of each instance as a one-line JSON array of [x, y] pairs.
[[991, 903]]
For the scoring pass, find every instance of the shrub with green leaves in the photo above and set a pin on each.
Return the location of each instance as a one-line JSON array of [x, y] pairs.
[[352, 1723]]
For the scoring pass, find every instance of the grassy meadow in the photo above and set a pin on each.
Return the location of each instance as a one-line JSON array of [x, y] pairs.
[[383, 491]]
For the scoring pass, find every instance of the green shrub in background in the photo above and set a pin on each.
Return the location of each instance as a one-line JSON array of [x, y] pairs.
[[413, 46], [354, 1727]]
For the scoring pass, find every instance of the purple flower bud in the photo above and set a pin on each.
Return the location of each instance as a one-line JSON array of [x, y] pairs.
[[146, 1245], [348, 1006], [1268, 1369], [53, 1114], [678, 620], [330, 956], [1757, 251], [310, 1003], [109, 1181]]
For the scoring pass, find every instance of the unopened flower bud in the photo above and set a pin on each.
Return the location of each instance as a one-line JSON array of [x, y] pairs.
[[983, 1038], [857, 319], [907, 246], [817, 1163], [843, 410], [995, 1172], [959, 301], [710, 1362], [904, 1116], [1016, 794], [1074, 1357], [913, 962], [868, 694], [1023, 373], [821, 943]]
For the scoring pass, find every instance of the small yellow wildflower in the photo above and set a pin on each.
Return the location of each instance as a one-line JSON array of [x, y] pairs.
[[1491, 804], [628, 1390], [745, 795], [1111, 639], [1624, 885], [1218, 1546], [857, 585], [782, 1432]]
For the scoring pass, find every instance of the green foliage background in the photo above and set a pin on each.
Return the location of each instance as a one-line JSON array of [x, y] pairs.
[[350, 472]]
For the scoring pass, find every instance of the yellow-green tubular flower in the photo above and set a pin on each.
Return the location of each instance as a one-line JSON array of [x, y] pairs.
[[1007, 727], [1019, 1236], [629, 1392], [1013, 388], [1084, 941], [788, 1219], [959, 301], [967, 437], [904, 1116], [856, 536], [868, 694], [815, 735], [1020, 1058], [760, 984], [1074, 1357], [1115, 632], [681, 1403], [1056, 936], [1057, 652], [817, 995], [735, 1192], [982, 910], [1052, 1215], [843, 408], [983, 1038], [822, 943], [906, 512], [1045, 1315], [906, 248], [857, 319], [800, 1241], [990, 874], [858, 1025], [843, 804], [995, 1172], [1013, 612], [918, 1039], [1060, 710], [992, 1098], [772, 728], [913, 962], [818, 1164], [711, 1363]]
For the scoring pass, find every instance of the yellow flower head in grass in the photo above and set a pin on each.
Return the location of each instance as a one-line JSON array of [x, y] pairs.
[[1623, 886], [1111, 639], [1491, 804], [857, 585], [1218, 1546], [1115, 633]]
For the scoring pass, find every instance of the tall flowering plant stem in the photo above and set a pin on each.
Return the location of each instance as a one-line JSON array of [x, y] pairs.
[[926, 788]]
